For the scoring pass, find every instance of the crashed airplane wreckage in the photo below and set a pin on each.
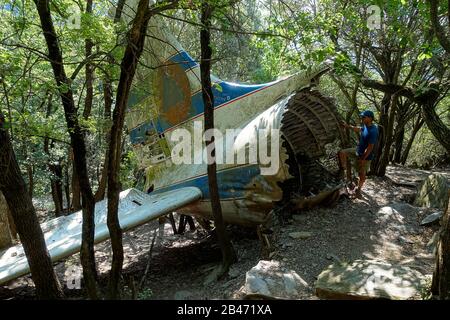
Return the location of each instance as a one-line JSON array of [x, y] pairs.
[[171, 99]]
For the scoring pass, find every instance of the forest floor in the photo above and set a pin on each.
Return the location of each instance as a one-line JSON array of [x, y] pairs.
[[353, 229]]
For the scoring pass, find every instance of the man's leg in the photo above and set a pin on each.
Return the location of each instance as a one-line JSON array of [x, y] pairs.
[[362, 176]]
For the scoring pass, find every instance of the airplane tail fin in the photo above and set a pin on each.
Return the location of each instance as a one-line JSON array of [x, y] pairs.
[[166, 80]]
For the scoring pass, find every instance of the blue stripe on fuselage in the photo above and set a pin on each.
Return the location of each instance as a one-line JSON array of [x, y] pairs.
[[224, 92], [232, 182], [184, 60]]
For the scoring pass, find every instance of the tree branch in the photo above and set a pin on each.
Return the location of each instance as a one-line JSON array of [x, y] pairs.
[[437, 28]]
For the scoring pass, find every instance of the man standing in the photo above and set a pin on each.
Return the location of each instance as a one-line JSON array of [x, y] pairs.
[[362, 155]]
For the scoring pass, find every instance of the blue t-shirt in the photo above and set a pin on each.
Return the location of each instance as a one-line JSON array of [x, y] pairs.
[[369, 135]]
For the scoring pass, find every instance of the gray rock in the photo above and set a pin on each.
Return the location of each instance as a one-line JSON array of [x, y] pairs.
[[300, 235], [430, 219], [433, 192], [270, 279], [369, 279]]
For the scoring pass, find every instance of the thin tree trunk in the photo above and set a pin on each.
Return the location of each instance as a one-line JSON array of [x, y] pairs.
[[107, 94], [101, 191], [440, 131], [388, 134], [437, 28], [76, 199], [89, 71], [67, 186], [133, 51], [78, 144], [399, 146], [384, 122], [417, 126], [16, 194], [228, 254], [55, 179]]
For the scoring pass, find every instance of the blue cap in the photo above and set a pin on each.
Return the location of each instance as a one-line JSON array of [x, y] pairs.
[[367, 113]]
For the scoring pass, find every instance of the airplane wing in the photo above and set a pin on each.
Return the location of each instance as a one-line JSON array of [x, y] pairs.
[[63, 234]]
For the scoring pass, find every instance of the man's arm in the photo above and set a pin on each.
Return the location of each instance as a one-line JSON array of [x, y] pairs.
[[367, 152], [356, 129]]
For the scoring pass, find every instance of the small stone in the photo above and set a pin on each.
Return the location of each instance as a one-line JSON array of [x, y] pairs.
[[271, 279], [14, 254], [430, 219], [363, 219], [300, 235], [373, 238]]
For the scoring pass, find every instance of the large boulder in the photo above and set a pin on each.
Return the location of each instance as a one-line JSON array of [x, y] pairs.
[[369, 279], [269, 278], [433, 192]]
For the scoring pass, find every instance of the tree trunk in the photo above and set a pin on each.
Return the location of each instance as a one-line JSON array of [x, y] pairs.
[[5, 233], [388, 138], [228, 254], [101, 191], [438, 29], [384, 123], [107, 94], [16, 194], [133, 51], [58, 188], [78, 144], [399, 146], [440, 131], [441, 277], [55, 179], [67, 186], [76, 199], [89, 71], [416, 129]]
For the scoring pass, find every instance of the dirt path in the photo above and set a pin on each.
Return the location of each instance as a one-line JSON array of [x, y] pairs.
[[382, 225]]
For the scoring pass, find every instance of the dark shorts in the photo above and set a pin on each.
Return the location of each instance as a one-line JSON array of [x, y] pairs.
[[353, 157]]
